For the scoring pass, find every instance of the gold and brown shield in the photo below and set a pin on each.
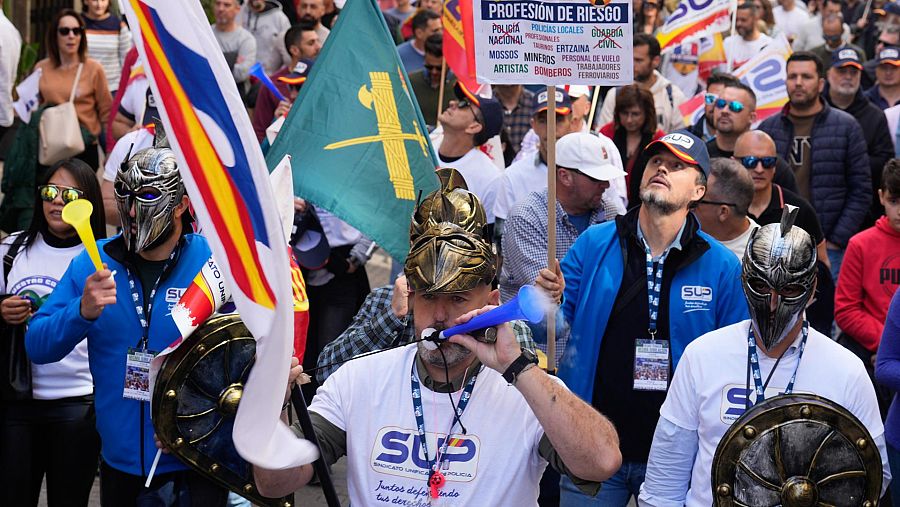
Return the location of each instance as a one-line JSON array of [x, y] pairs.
[[195, 398], [797, 450]]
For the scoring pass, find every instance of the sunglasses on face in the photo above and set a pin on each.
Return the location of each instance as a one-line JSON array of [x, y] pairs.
[[65, 30], [734, 106], [711, 98], [751, 161], [651, 6], [49, 193], [144, 194], [464, 103], [433, 68]]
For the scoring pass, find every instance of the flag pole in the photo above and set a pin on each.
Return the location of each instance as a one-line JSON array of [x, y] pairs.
[[551, 219], [319, 465], [437, 120], [729, 55], [595, 96]]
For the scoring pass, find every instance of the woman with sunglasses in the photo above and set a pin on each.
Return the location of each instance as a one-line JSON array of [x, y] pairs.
[[53, 432], [108, 39], [633, 127], [67, 50]]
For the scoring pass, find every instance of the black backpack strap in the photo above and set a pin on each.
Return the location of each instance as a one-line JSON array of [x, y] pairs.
[[11, 254]]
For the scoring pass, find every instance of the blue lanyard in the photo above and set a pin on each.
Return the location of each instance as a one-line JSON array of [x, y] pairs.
[[754, 364], [654, 286], [137, 297], [420, 418]]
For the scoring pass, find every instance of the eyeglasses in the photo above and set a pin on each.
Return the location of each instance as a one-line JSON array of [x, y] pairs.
[[717, 203], [734, 106], [143, 194], [711, 98], [751, 161], [65, 30], [433, 68], [650, 5], [49, 193]]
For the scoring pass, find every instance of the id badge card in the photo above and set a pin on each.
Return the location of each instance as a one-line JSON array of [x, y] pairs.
[[137, 374], [651, 365]]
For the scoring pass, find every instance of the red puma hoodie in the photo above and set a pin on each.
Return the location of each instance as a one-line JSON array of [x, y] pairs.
[[869, 276]]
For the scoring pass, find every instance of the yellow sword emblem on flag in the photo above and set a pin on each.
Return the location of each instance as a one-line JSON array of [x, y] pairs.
[[390, 133]]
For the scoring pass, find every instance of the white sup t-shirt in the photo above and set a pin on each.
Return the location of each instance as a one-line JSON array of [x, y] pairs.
[[709, 390], [495, 463]]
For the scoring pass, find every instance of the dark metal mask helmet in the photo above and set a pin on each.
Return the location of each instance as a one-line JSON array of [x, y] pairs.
[[782, 258], [450, 250], [150, 182]]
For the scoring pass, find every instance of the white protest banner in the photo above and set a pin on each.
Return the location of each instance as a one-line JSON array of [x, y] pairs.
[[29, 96], [766, 74], [691, 18], [553, 42]]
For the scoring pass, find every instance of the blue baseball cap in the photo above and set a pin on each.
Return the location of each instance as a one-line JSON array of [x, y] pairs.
[[491, 112], [845, 57], [563, 102], [684, 145], [889, 55]]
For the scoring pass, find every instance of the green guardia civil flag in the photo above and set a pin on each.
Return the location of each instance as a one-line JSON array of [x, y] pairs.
[[357, 140]]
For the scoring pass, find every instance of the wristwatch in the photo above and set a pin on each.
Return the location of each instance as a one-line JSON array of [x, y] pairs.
[[525, 360]]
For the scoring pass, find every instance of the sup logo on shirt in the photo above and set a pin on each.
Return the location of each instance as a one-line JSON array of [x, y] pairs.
[[734, 400], [398, 451], [173, 294], [696, 298]]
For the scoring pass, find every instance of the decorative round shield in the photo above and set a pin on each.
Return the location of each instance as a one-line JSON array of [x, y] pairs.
[[195, 398], [797, 450]]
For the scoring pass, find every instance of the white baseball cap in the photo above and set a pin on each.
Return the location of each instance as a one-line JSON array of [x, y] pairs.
[[577, 91], [586, 153]]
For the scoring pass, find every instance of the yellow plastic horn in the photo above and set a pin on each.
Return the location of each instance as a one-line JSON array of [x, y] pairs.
[[78, 214]]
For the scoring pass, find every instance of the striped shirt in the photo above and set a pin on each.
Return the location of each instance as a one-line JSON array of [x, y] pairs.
[[108, 41]]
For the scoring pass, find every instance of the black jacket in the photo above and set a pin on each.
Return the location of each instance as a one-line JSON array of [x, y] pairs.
[[841, 182], [879, 144]]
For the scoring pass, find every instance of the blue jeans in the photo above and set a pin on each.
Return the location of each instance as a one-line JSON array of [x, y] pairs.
[[615, 492], [835, 257], [894, 461]]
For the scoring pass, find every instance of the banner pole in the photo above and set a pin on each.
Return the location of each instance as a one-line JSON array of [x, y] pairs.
[[595, 96], [437, 120], [551, 219], [729, 56]]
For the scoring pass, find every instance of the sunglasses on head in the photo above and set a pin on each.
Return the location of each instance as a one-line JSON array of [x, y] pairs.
[[734, 106], [65, 30], [711, 98], [49, 193], [751, 161]]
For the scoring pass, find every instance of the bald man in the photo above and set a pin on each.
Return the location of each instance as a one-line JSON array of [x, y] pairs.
[[755, 150]]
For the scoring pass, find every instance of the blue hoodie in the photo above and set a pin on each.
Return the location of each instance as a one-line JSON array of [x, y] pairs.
[[124, 425], [706, 294]]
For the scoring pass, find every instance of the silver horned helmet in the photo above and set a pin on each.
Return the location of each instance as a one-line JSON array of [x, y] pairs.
[[779, 257], [150, 182]]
